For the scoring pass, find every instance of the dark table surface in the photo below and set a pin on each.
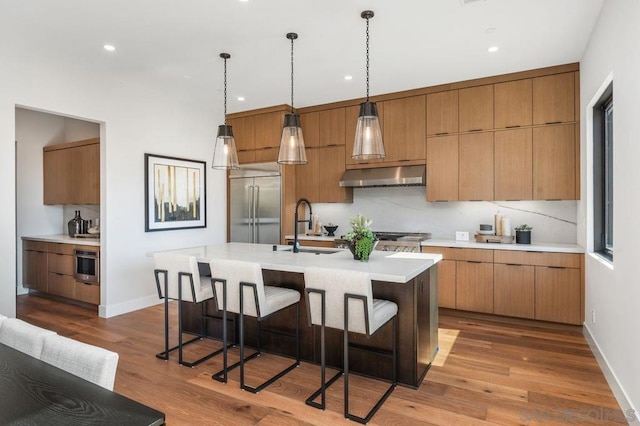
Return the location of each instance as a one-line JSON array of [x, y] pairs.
[[33, 392]]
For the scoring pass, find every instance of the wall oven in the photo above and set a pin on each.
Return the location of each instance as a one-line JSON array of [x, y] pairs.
[[86, 266]]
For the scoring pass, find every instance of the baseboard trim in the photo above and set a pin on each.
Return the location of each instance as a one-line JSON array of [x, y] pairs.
[[618, 391], [109, 311]]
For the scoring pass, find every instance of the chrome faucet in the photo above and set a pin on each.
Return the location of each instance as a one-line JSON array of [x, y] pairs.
[[296, 245]]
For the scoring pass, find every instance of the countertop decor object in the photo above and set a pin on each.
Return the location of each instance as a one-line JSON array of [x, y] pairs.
[[361, 239], [523, 234], [331, 229], [175, 193]]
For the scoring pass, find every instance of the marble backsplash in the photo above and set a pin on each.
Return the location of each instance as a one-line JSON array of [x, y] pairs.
[[405, 209], [87, 212]]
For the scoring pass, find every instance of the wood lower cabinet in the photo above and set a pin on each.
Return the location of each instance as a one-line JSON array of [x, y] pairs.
[[554, 162], [513, 164], [558, 296], [474, 286], [475, 173], [48, 268], [447, 284], [72, 172], [513, 290], [442, 168]]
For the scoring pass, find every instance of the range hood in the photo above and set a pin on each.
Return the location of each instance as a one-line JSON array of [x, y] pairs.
[[384, 176]]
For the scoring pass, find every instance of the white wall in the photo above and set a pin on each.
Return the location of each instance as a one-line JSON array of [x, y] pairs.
[[614, 292], [406, 210], [137, 119]]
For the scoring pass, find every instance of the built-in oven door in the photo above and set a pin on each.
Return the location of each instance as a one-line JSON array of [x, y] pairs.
[[86, 266]]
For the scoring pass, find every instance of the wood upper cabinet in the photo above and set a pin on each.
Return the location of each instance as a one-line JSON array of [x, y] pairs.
[[554, 168], [350, 122], [475, 167], [72, 172], [513, 290], [332, 168], [310, 122], [404, 130], [442, 168], [513, 169], [442, 113], [475, 110], [554, 99], [474, 286], [513, 103], [332, 127], [558, 295], [307, 176], [269, 129], [244, 132]]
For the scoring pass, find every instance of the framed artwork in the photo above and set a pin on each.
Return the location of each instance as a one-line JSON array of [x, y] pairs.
[[175, 193]]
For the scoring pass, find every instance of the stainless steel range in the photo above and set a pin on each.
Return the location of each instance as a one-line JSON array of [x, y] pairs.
[[395, 241]]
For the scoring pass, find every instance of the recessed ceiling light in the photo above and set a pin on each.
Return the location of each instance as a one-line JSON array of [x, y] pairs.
[[493, 49], [348, 77], [490, 30], [109, 47], [241, 98]]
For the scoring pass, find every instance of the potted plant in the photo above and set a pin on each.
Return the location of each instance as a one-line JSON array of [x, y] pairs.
[[523, 234], [361, 240]]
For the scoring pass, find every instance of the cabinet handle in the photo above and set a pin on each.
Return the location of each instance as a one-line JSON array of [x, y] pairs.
[[475, 200], [333, 144], [442, 133], [58, 273], [404, 160], [553, 199], [512, 127], [475, 130], [441, 201], [514, 200], [556, 267], [513, 264], [553, 122], [473, 261]]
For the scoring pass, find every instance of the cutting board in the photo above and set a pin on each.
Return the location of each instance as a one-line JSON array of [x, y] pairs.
[[503, 239]]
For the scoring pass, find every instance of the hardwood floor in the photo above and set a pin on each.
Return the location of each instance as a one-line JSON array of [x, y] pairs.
[[490, 371]]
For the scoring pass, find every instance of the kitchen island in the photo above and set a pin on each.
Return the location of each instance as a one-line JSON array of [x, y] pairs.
[[408, 279]]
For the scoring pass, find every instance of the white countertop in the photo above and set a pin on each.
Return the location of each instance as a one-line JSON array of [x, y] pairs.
[[382, 266], [64, 239], [547, 247]]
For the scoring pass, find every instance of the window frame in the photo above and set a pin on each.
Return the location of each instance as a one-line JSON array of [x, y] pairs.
[[603, 151]]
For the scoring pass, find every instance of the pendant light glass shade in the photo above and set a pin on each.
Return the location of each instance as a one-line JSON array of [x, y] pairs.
[[224, 152], [292, 142], [368, 141]]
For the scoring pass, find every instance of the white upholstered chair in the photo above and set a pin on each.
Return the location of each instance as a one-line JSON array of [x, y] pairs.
[[178, 278], [344, 300], [23, 336], [239, 288], [92, 363]]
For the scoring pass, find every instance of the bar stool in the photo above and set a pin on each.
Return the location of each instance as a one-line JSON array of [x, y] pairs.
[[239, 288], [181, 281], [344, 300]]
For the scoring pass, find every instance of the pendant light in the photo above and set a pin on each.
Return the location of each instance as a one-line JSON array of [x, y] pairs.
[[368, 142], [224, 153], [292, 143]]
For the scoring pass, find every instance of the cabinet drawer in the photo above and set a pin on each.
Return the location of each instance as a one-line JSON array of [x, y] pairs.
[[563, 260], [61, 285], [89, 293], [437, 250], [470, 255], [61, 248], [60, 263], [34, 245]]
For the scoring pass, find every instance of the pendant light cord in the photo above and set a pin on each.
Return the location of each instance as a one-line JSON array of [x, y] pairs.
[[225, 91], [292, 110], [367, 59]]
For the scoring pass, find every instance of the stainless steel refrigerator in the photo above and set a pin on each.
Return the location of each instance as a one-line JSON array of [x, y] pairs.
[[254, 211]]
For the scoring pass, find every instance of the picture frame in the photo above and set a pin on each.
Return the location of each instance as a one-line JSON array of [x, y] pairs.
[[175, 193]]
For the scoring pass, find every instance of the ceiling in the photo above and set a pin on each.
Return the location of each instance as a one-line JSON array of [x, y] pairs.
[[174, 44]]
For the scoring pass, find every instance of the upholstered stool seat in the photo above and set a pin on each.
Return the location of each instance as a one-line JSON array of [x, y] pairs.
[[22, 336], [343, 300], [178, 278], [239, 288]]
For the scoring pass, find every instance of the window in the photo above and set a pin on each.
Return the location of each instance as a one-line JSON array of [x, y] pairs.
[[603, 174]]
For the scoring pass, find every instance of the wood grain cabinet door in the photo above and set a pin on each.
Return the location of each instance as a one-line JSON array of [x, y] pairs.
[[310, 122], [330, 172], [558, 296], [554, 173], [513, 290], [554, 99], [475, 111], [332, 127], [404, 129], [307, 176], [474, 286], [476, 167], [268, 129], [442, 113], [513, 167], [442, 168], [244, 133], [513, 103], [447, 284]]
